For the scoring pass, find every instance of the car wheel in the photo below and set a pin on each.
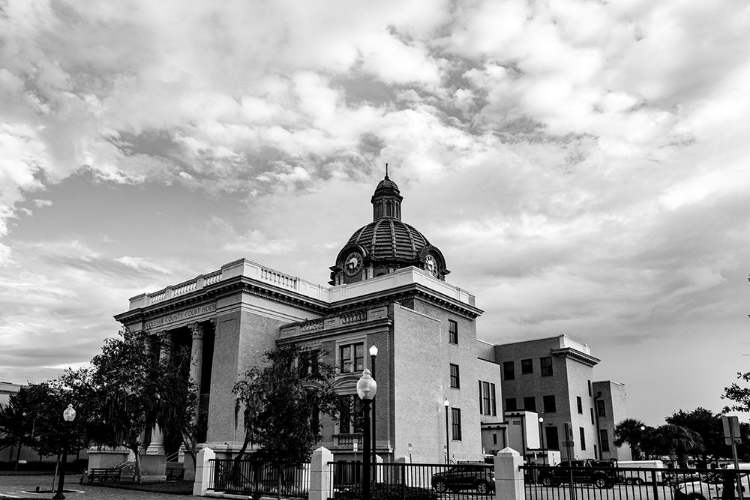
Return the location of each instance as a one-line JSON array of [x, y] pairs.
[[600, 482], [483, 488], [696, 496], [547, 481], [440, 486]]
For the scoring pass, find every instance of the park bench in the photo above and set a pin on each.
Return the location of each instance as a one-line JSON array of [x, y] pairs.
[[175, 471], [102, 475]]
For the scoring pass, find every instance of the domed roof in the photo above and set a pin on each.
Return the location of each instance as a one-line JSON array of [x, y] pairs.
[[386, 244], [390, 240]]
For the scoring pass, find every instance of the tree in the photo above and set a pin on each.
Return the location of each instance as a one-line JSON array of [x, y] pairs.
[[15, 428], [178, 402], [705, 424], [281, 404], [631, 432], [124, 387], [739, 396], [677, 442]]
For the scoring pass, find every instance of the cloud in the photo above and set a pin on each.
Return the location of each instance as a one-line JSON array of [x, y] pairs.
[[140, 264]]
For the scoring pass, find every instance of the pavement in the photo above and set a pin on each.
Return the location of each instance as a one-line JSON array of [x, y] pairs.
[[24, 486]]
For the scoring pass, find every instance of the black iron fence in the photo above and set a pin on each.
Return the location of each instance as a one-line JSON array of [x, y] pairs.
[[630, 483], [252, 477], [403, 481]]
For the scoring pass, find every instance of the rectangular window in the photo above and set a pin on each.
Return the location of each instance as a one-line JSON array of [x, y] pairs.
[[456, 423], [527, 366], [487, 398], [589, 388], [583, 437], [592, 415], [510, 404], [549, 404], [455, 378], [493, 405], [508, 371], [604, 438], [552, 440], [600, 408], [307, 363], [452, 332], [350, 414], [546, 365], [579, 402], [529, 403], [352, 358], [482, 407]]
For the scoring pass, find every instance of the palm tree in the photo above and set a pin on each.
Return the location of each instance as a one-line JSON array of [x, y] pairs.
[[631, 432], [678, 442]]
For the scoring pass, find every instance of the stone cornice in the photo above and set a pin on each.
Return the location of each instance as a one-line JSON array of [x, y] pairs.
[[570, 353]]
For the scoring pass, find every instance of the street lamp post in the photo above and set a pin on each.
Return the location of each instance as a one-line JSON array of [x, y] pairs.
[[447, 404], [373, 355], [68, 415], [541, 436], [366, 389]]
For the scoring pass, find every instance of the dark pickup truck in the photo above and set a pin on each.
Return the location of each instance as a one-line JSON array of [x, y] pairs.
[[601, 474]]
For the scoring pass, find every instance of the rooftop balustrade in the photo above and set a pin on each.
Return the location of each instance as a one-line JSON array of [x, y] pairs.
[[248, 269]]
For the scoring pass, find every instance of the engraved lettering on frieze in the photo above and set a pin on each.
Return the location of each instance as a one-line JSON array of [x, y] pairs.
[[181, 315]]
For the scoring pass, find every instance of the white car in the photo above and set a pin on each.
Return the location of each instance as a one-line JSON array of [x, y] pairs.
[[710, 487]]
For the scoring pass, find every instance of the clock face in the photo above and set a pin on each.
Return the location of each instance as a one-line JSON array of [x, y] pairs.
[[430, 265], [352, 264]]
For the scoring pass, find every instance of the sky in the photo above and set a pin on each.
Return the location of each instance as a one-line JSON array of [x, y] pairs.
[[582, 165]]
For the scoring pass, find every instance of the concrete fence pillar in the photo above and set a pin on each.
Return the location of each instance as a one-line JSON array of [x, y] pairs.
[[509, 484], [320, 474], [203, 471]]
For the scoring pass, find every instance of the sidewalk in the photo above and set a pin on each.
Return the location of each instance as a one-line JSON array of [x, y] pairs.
[[24, 486]]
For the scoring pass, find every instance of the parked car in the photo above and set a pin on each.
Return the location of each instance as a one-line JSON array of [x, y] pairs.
[[478, 476], [601, 474], [709, 486]]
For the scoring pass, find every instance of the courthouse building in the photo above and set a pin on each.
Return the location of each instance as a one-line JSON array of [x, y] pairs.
[[439, 388], [387, 289]]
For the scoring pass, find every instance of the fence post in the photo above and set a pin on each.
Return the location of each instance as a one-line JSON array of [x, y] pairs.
[[320, 474], [203, 471], [509, 484], [401, 476]]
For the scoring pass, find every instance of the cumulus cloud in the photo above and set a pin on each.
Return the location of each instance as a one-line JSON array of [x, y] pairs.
[[584, 163]]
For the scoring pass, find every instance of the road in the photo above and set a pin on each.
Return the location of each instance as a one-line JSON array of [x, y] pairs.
[[25, 487]]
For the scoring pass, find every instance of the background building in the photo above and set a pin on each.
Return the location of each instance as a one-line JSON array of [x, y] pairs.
[[553, 377]]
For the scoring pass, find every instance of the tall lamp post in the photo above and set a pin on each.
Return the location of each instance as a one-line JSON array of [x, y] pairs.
[[373, 355], [447, 404], [366, 389], [68, 415], [541, 436]]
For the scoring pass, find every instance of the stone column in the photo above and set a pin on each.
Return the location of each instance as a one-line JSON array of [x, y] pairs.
[[196, 356], [156, 447]]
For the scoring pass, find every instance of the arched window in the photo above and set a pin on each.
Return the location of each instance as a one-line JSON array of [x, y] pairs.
[[389, 209]]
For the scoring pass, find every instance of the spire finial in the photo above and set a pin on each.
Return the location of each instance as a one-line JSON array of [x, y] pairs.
[[386, 170]]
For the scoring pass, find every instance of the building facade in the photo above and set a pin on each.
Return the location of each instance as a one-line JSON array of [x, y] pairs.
[[554, 378]]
